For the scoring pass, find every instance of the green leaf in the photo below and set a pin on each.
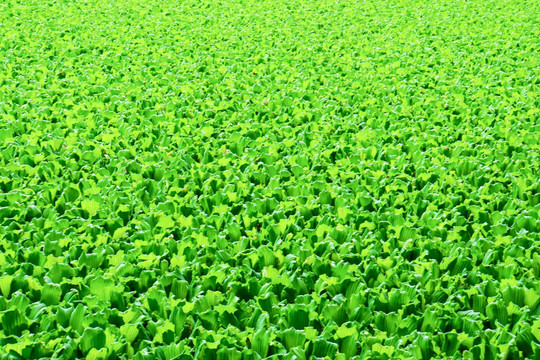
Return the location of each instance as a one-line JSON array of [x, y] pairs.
[[103, 288], [382, 349], [261, 342], [293, 338], [5, 285], [72, 193], [535, 329], [165, 222], [95, 354], [298, 318], [77, 318], [130, 332], [344, 331], [497, 312], [5, 134], [229, 354], [50, 294], [92, 338], [324, 348], [90, 206], [14, 323]]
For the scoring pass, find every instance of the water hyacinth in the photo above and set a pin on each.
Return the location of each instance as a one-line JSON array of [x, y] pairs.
[[283, 179]]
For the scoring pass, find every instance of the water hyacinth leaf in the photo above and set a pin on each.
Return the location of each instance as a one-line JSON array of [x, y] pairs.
[[293, 338], [13, 322], [93, 338], [165, 222], [229, 354], [5, 285], [103, 287], [323, 348], [261, 342], [497, 312], [50, 294], [63, 316], [95, 354], [77, 318], [90, 206], [535, 330], [173, 351], [298, 318], [72, 193], [349, 347], [344, 331]]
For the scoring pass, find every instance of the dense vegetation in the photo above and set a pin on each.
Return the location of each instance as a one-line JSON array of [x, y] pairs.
[[283, 179]]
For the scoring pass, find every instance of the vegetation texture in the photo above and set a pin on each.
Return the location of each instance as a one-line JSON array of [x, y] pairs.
[[284, 179]]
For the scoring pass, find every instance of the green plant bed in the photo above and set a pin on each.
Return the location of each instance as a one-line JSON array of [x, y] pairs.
[[269, 179]]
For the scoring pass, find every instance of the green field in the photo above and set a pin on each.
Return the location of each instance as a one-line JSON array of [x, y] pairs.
[[287, 179]]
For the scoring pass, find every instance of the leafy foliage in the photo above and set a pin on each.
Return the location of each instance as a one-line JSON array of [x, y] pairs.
[[269, 179]]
